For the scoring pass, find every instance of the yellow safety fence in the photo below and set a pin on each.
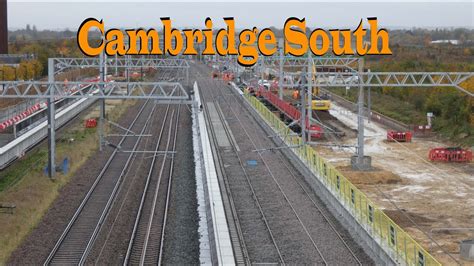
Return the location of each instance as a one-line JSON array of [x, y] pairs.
[[390, 236]]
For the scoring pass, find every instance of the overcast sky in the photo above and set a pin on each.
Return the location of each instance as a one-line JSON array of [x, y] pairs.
[[118, 14]]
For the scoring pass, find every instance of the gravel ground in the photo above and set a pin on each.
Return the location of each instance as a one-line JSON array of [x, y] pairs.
[[181, 242], [296, 223], [41, 240], [181, 236], [112, 242], [181, 233]]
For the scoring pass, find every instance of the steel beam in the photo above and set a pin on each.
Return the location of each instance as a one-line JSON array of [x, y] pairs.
[[309, 108], [168, 91], [393, 79], [360, 119], [101, 101], [369, 105], [61, 64], [280, 82], [349, 63], [303, 111], [51, 127], [390, 79]]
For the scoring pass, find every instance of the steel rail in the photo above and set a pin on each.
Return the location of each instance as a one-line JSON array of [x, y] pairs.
[[326, 218], [155, 199], [165, 218], [142, 201], [140, 213], [318, 207], [276, 182], [91, 190], [114, 192], [259, 206]]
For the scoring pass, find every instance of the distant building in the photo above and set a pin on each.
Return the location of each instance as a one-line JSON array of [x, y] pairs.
[[453, 42], [3, 27], [15, 59]]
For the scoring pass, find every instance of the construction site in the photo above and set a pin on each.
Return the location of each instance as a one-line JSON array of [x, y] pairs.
[[200, 159]]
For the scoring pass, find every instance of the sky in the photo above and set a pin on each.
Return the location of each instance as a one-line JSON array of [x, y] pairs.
[[59, 15]]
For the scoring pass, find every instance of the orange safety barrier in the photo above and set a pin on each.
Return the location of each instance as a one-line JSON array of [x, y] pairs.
[[399, 136], [91, 123], [450, 155]]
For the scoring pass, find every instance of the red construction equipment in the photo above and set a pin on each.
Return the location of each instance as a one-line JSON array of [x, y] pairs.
[[453, 154], [289, 110], [393, 136], [274, 86], [227, 76], [91, 123]]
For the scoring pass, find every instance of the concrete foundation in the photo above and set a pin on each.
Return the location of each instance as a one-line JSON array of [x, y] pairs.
[[467, 250], [364, 165]]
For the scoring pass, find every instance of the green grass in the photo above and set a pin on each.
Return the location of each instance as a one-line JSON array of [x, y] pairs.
[[37, 159], [25, 184], [22, 167]]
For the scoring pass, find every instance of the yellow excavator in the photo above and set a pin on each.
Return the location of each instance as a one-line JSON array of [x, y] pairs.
[[318, 104]]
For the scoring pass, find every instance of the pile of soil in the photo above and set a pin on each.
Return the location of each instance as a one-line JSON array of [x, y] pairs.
[[376, 176]]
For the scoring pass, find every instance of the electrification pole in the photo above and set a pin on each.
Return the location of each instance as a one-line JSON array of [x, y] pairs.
[[101, 101], [310, 93], [360, 162], [280, 82], [302, 89], [51, 123]]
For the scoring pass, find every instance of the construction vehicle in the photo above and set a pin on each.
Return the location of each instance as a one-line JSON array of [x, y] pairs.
[[319, 102], [288, 110], [317, 105]]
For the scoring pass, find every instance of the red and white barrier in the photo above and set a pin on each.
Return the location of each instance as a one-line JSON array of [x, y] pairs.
[[30, 110], [22, 115]]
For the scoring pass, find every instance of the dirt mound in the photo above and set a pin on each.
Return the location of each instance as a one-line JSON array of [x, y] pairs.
[[405, 218], [376, 176]]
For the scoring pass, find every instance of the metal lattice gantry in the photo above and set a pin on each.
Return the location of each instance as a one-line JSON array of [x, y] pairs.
[[382, 79], [162, 92], [348, 63], [62, 64], [395, 79], [352, 75]]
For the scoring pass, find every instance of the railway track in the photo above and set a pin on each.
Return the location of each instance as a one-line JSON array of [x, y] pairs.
[[125, 169], [76, 240], [298, 228], [148, 235]]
